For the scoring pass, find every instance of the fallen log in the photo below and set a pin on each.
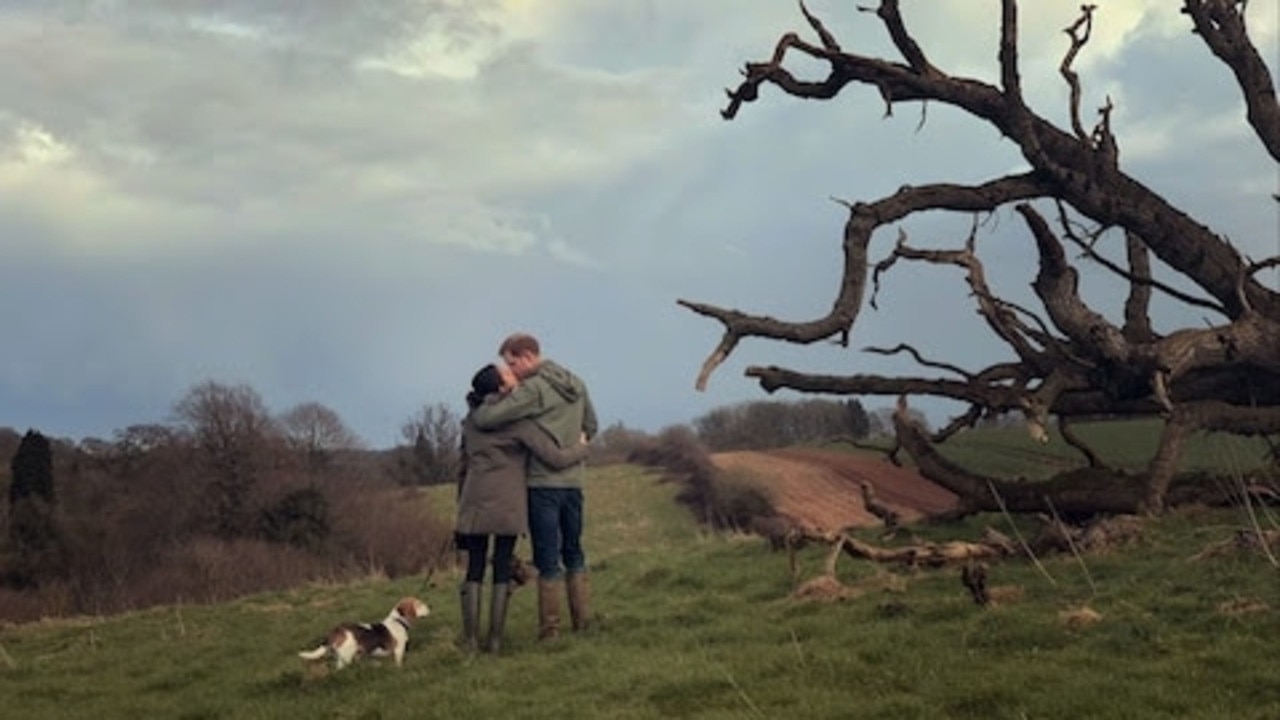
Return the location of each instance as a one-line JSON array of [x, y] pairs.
[[926, 554], [994, 545]]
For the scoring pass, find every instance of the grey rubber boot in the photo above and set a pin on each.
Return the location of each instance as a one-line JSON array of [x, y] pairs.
[[470, 594], [497, 617]]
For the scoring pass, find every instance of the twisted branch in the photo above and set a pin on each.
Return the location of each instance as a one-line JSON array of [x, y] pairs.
[[1220, 23], [1078, 40], [864, 219]]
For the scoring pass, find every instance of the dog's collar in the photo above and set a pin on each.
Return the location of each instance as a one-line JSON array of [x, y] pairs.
[[403, 623]]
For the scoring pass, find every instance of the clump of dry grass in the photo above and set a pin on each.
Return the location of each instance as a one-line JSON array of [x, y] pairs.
[[1081, 617]]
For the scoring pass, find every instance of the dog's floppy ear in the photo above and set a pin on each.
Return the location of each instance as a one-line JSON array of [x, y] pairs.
[[411, 608], [407, 607]]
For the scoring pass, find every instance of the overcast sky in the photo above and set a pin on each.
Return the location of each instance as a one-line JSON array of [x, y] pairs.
[[352, 203]]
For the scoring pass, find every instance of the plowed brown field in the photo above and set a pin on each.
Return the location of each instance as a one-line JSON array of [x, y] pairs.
[[821, 489]]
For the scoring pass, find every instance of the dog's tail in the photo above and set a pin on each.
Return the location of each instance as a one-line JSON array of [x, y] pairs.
[[316, 654]]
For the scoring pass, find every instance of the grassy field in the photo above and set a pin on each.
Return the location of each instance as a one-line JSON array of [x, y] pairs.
[[1010, 452], [694, 625]]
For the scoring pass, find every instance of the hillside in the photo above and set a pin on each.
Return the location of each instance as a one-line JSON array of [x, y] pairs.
[[821, 489]]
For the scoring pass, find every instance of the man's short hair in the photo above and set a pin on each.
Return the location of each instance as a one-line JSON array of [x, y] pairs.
[[520, 344]]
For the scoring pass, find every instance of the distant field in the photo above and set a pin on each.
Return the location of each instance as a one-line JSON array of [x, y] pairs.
[[699, 625], [1128, 444]]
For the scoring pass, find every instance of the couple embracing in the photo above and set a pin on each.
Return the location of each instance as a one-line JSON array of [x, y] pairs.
[[524, 440]]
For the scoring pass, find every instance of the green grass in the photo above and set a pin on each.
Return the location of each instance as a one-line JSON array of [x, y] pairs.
[[1010, 452], [693, 625]]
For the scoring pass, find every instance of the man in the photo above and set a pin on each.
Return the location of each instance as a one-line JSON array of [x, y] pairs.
[[557, 401]]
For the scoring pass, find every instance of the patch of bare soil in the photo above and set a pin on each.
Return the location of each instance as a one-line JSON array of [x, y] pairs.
[[821, 489]]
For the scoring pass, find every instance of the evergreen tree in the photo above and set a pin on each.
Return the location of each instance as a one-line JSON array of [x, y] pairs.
[[33, 532]]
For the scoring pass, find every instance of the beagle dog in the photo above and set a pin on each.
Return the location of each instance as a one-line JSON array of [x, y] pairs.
[[349, 640]]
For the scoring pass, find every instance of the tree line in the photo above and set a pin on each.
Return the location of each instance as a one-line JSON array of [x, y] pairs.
[[228, 497], [224, 499]]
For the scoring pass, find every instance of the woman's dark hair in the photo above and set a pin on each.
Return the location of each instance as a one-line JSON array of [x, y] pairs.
[[486, 381]]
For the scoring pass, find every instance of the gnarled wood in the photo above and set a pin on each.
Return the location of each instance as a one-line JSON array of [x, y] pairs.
[[1068, 359]]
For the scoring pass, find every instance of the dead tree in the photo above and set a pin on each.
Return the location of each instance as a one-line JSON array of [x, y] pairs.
[[887, 515], [1066, 359]]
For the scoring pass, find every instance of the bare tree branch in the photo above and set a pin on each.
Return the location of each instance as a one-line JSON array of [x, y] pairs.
[[1084, 176], [1078, 40], [903, 347], [1057, 284], [1137, 279], [1069, 360], [1077, 442], [890, 14], [1009, 51], [993, 309], [966, 420], [828, 40], [863, 220], [1220, 23], [1137, 307]]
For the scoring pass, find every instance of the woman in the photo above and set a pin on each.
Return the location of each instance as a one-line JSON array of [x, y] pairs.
[[492, 500]]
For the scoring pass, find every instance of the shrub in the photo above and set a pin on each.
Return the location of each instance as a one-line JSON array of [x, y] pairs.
[[616, 444], [387, 530], [300, 518], [210, 569], [738, 499], [717, 499]]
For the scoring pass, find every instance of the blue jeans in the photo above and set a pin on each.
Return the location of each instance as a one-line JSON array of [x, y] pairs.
[[555, 529]]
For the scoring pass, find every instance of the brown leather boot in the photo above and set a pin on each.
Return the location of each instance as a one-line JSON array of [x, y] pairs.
[[579, 599], [548, 609]]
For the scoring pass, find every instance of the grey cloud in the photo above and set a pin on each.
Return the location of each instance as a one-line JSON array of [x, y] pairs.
[[320, 27], [323, 228], [227, 127]]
